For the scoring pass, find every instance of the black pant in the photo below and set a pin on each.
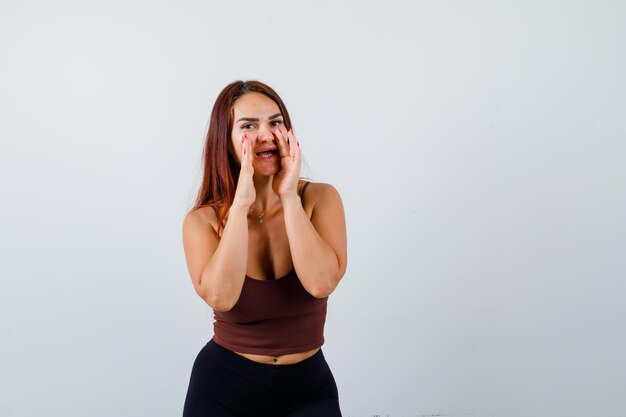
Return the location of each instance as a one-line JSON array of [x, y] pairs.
[[224, 383]]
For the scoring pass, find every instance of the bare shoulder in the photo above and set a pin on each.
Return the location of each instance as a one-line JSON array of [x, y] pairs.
[[201, 217], [320, 192]]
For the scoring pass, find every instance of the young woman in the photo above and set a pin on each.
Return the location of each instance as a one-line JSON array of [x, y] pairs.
[[265, 256]]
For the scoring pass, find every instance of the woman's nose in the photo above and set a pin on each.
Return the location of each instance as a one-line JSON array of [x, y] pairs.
[[265, 134]]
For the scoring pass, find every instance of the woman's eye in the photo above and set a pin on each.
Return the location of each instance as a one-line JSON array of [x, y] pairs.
[[250, 125]]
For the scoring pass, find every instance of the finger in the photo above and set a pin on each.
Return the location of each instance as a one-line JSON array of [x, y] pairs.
[[280, 142], [292, 139], [283, 146], [249, 152], [298, 154], [286, 136], [246, 153]]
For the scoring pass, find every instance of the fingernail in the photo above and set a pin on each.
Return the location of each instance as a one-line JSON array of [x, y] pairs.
[[244, 151], [298, 143]]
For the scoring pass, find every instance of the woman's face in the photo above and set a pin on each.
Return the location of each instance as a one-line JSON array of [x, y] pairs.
[[259, 117]]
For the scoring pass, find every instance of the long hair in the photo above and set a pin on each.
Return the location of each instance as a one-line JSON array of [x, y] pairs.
[[220, 167]]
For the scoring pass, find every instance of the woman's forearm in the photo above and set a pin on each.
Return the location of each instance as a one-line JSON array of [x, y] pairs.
[[223, 277], [314, 260]]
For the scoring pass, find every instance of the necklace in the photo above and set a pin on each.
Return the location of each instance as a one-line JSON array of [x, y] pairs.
[[259, 218]]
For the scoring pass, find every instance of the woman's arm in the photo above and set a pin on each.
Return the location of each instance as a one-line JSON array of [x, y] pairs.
[[318, 246], [217, 267]]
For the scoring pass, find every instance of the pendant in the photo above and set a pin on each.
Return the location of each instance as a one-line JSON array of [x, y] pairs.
[[259, 219]]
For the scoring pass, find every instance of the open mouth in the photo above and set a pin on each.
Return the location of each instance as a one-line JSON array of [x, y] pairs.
[[266, 154]]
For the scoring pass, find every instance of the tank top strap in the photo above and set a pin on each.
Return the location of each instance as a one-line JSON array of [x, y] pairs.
[[302, 191]]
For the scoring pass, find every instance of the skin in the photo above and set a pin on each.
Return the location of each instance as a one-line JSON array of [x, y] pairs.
[[310, 238], [264, 182]]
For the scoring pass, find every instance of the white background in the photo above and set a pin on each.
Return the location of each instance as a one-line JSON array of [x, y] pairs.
[[478, 147]]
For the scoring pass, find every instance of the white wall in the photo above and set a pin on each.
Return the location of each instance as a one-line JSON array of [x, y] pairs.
[[478, 147]]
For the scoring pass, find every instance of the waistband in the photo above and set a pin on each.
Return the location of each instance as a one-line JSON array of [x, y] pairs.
[[226, 355]]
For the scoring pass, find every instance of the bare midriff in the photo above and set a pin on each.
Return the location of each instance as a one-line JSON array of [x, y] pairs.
[[280, 359]]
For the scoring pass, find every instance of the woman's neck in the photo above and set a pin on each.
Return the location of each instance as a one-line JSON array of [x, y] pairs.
[[265, 195]]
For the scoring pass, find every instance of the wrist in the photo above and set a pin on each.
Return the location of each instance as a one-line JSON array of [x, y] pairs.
[[291, 200], [237, 209]]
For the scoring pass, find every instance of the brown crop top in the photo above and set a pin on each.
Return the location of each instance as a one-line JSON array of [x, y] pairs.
[[272, 317]]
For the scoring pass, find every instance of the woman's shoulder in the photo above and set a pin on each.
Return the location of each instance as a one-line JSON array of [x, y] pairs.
[[318, 186], [202, 215], [316, 191]]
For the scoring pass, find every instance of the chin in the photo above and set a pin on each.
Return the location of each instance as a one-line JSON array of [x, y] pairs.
[[266, 171]]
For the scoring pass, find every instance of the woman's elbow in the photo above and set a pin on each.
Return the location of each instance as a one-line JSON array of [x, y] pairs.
[[219, 304], [327, 288], [217, 300]]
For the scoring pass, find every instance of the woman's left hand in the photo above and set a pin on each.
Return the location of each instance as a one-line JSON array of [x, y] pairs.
[[285, 182]]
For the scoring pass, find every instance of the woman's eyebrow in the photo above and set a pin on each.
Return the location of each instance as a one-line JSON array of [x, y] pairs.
[[255, 119]]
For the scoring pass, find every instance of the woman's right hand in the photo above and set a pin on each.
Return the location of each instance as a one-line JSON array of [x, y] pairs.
[[245, 193]]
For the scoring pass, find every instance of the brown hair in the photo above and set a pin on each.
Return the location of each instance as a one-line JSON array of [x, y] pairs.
[[220, 167]]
